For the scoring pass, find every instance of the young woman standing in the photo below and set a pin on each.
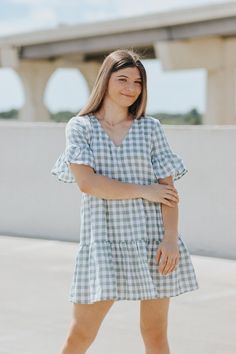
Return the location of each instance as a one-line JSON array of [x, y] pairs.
[[129, 247]]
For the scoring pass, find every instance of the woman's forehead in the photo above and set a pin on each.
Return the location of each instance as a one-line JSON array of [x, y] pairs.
[[130, 72]]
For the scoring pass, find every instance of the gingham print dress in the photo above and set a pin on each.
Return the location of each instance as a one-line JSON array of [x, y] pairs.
[[119, 238]]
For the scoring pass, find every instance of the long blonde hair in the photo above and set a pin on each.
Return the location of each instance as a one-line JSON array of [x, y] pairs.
[[119, 59]]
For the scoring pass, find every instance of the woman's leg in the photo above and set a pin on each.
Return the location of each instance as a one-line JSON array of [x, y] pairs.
[[86, 321], [153, 325]]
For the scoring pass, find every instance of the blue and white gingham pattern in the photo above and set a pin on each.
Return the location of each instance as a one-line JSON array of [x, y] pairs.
[[165, 161], [119, 238], [77, 150]]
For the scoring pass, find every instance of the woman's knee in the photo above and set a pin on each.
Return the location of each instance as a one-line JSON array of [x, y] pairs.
[[87, 319], [157, 333]]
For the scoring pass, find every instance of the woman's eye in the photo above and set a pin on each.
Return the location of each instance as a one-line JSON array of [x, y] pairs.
[[136, 82]]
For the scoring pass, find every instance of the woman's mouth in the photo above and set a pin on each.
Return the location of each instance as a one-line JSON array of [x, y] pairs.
[[127, 95]]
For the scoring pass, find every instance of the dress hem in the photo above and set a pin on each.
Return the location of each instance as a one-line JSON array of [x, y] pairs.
[[71, 299]]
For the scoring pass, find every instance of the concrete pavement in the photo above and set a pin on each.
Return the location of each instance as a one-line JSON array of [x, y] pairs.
[[35, 313]]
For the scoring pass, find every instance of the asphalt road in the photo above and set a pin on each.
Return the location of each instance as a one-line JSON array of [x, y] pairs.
[[35, 313]]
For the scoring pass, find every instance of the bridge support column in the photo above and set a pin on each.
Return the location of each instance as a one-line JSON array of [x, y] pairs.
[[90, 71], [34, 76], [218, 57], [221, 96]]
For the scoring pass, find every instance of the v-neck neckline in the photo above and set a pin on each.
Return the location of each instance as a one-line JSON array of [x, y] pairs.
[[108, 136]]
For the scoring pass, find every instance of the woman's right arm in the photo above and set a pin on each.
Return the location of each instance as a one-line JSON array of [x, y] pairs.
[[108, 188]]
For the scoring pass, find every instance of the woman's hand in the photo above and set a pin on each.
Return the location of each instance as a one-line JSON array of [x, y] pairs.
[[167, 256], [162, 193]]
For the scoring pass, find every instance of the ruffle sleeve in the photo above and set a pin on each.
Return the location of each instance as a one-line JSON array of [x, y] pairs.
[[165, 162], [77, 149]]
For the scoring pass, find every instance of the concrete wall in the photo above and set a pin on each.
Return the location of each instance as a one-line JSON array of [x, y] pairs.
[[34, 204]]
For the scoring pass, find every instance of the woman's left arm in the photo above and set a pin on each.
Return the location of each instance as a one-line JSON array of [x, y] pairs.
[[170, 215], [168, 253]]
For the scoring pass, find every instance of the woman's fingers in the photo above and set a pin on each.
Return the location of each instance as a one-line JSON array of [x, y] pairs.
[[168, 257], [168, 265], [171, 197], [162, 263], [167, 194], [172, 190], [167, 202], [169, 186], [172, 194]]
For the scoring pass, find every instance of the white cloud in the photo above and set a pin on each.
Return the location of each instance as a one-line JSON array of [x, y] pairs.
[[28, 2], [43, 15], [37, 18], [48, 14], [138, 7]]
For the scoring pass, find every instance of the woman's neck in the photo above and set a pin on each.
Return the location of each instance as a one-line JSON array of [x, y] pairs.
[[113, 115]]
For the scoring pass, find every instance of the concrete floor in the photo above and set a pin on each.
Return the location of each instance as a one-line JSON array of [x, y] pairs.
[[35, 313]]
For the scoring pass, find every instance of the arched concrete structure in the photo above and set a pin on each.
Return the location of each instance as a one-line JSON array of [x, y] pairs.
[[218, 57], [35, 75], [187, 38]]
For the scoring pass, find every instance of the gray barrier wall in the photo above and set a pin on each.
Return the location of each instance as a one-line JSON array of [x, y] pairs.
[[34, 204]]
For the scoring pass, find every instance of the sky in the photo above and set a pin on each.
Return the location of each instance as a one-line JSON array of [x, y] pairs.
[[168, 91]]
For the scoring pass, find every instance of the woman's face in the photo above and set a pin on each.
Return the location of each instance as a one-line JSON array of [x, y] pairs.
[[124, 86]]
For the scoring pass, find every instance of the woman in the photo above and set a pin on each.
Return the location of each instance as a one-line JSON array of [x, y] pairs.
[[129, 248]]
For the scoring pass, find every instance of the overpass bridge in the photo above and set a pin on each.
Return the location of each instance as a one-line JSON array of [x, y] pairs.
[[187, 38]]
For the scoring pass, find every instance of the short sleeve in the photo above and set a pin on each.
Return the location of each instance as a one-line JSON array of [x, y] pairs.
[[77, 149], [164, 161]]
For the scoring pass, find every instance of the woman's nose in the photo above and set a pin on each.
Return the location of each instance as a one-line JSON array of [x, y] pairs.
[[131, 86]]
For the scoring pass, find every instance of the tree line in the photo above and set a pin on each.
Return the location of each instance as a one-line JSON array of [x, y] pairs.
[[192, 117]]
